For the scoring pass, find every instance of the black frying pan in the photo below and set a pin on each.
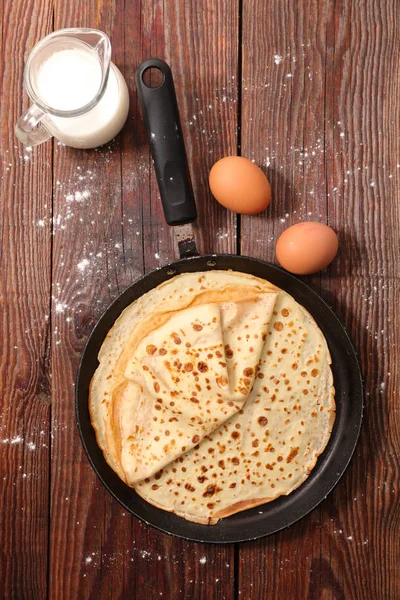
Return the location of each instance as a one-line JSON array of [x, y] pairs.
[[161, 116]]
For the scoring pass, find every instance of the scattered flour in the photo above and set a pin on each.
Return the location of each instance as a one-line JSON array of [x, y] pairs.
[[15, 440], [77, 196], [83, 264]]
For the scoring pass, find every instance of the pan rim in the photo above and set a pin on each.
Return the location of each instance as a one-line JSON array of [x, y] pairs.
[[228, 536]]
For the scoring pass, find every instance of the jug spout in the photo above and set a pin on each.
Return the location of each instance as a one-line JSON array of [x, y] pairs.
[[98, 41]]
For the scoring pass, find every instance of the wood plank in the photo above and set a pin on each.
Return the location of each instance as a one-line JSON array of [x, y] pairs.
[[25, 249], [328, 140], [98, 550]]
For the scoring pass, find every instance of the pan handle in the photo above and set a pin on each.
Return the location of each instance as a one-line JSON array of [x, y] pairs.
[[161, 117]]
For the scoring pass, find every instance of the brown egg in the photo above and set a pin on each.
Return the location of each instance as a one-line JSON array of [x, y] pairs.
[[239, 185], [306, 248]]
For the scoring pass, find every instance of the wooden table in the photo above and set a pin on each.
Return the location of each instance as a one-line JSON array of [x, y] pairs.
[[310, 91]]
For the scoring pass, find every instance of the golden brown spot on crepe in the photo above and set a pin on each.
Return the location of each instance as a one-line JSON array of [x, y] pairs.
[[167, 432], [162, 351], [232, 485], [278, 326], [151, 349], [251, 349], [189, 487], [155, 486], [156, 387], [211, 490], [280, 458], [260, 375], [248, 372], [211, 505], [158, 407], [221, 464], [292, 454], [228, 352], [195, 439], [303, 373], [263, 421], [197, 327], [305, 392], [315, 372], [202, 478], [243, 391], [193, 399], [314, 414], [254, 443], [235, 435], [284, 312], [159, 474], [284, 350], [202, 367]]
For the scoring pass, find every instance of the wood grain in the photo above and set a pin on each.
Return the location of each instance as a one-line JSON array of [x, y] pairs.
[[96, 549], [25, 250], [318, 101], [320, 118]]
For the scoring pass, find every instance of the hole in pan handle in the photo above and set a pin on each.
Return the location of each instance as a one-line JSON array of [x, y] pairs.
[[161, 118]]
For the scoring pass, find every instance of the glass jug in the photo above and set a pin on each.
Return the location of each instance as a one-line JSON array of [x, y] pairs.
[[79, 96]]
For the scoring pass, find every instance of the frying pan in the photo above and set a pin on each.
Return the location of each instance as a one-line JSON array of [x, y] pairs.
[[161, 116]]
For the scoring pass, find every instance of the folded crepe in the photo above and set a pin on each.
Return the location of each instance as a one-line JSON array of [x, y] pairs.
[[213, 394], [270, 446], [179, 362]]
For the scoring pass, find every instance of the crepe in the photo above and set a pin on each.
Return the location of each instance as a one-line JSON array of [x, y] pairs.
[[172, 368], [269, 448], [213, 394]]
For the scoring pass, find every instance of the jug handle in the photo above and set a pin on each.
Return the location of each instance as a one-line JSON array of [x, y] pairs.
[[29, 128]]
